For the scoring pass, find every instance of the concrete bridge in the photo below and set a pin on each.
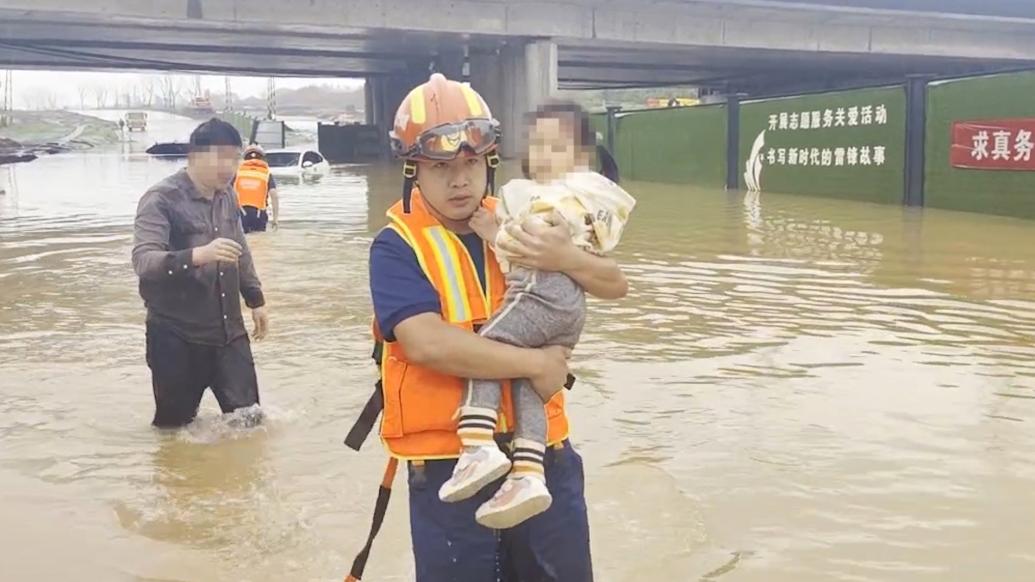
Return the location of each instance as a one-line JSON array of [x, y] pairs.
[[520, 51]]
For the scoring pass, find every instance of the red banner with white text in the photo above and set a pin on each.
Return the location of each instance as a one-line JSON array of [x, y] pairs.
[[994, 144]]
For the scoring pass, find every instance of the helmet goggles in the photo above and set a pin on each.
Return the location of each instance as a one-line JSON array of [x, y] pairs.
[[445, 142]]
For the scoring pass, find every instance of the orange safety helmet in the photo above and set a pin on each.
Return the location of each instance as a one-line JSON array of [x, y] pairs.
[[439, 120], [254, 151]]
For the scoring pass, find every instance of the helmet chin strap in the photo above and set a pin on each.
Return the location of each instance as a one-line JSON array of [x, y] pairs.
[[492, 161], [410, 174]]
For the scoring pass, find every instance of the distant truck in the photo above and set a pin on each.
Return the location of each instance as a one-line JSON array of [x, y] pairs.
[[136, 120]]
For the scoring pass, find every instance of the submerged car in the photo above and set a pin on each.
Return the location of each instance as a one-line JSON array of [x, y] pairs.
[[172, 149], [296, 163]]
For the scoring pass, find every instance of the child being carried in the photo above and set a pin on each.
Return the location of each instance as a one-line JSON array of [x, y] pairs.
[[541, 308]]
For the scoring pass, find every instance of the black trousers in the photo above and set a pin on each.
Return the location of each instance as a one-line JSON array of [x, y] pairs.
[[253, 219], [181, 371]]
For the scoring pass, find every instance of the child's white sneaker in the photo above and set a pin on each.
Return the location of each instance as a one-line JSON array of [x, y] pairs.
[[518, 499], [476, 468]]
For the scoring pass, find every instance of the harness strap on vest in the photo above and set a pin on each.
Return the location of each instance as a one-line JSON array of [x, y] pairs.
[[367, 419], [372, 409], [384, 493]]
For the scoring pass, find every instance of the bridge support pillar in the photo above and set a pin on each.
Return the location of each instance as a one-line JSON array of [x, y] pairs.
[[377, 110], [383, 96], [916, 127], [515, 80], [370, 100]]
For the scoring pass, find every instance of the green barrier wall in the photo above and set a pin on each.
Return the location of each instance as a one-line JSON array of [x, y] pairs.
[[686, 145], [857, 151], [1010, 193]]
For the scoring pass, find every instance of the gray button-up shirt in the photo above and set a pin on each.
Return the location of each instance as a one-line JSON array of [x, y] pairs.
[[201, 304]]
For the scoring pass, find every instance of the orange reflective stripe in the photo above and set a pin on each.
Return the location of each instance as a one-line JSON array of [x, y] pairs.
[[450, 273], [403, 231], [400, 226], [478, 293]]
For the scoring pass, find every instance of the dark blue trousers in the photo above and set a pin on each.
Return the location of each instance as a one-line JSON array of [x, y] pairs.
[[450, 546]]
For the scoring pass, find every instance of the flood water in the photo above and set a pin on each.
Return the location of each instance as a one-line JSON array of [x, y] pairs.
[[796, 389]]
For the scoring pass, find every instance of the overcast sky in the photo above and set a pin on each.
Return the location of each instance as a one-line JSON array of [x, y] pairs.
[[29, 85]]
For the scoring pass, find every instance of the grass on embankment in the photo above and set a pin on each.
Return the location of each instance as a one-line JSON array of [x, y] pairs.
[[41, 127]]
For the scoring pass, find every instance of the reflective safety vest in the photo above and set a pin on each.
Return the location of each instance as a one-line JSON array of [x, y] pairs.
[[420, 404], [253, 184]]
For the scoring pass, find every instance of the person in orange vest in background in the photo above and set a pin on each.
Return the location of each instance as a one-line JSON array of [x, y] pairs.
[[434, 282], [255, 186]]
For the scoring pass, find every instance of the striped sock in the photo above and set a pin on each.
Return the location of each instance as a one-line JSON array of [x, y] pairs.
[[528, 459], [477, 426]]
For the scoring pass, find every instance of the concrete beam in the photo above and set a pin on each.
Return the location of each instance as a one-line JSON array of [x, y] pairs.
[[969, 10], [631, 75], [14, 28], [893, 40], [19, 57], [744, 24]]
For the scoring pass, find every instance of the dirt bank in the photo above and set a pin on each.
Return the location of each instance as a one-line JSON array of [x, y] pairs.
[[35, 133]]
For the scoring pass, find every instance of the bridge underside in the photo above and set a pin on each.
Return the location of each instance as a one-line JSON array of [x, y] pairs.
[[520, 51], [36, 44]]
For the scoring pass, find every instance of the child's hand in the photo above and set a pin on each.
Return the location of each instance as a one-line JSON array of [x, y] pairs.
[[484, 224]]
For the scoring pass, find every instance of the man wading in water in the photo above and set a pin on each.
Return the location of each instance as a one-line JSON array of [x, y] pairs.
[[194, 264]]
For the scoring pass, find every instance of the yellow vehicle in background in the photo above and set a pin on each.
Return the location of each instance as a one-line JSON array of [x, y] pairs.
[[656, 102]]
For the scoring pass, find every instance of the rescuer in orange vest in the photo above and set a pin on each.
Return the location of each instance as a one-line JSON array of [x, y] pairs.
[[255, 186], [434, 282]]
